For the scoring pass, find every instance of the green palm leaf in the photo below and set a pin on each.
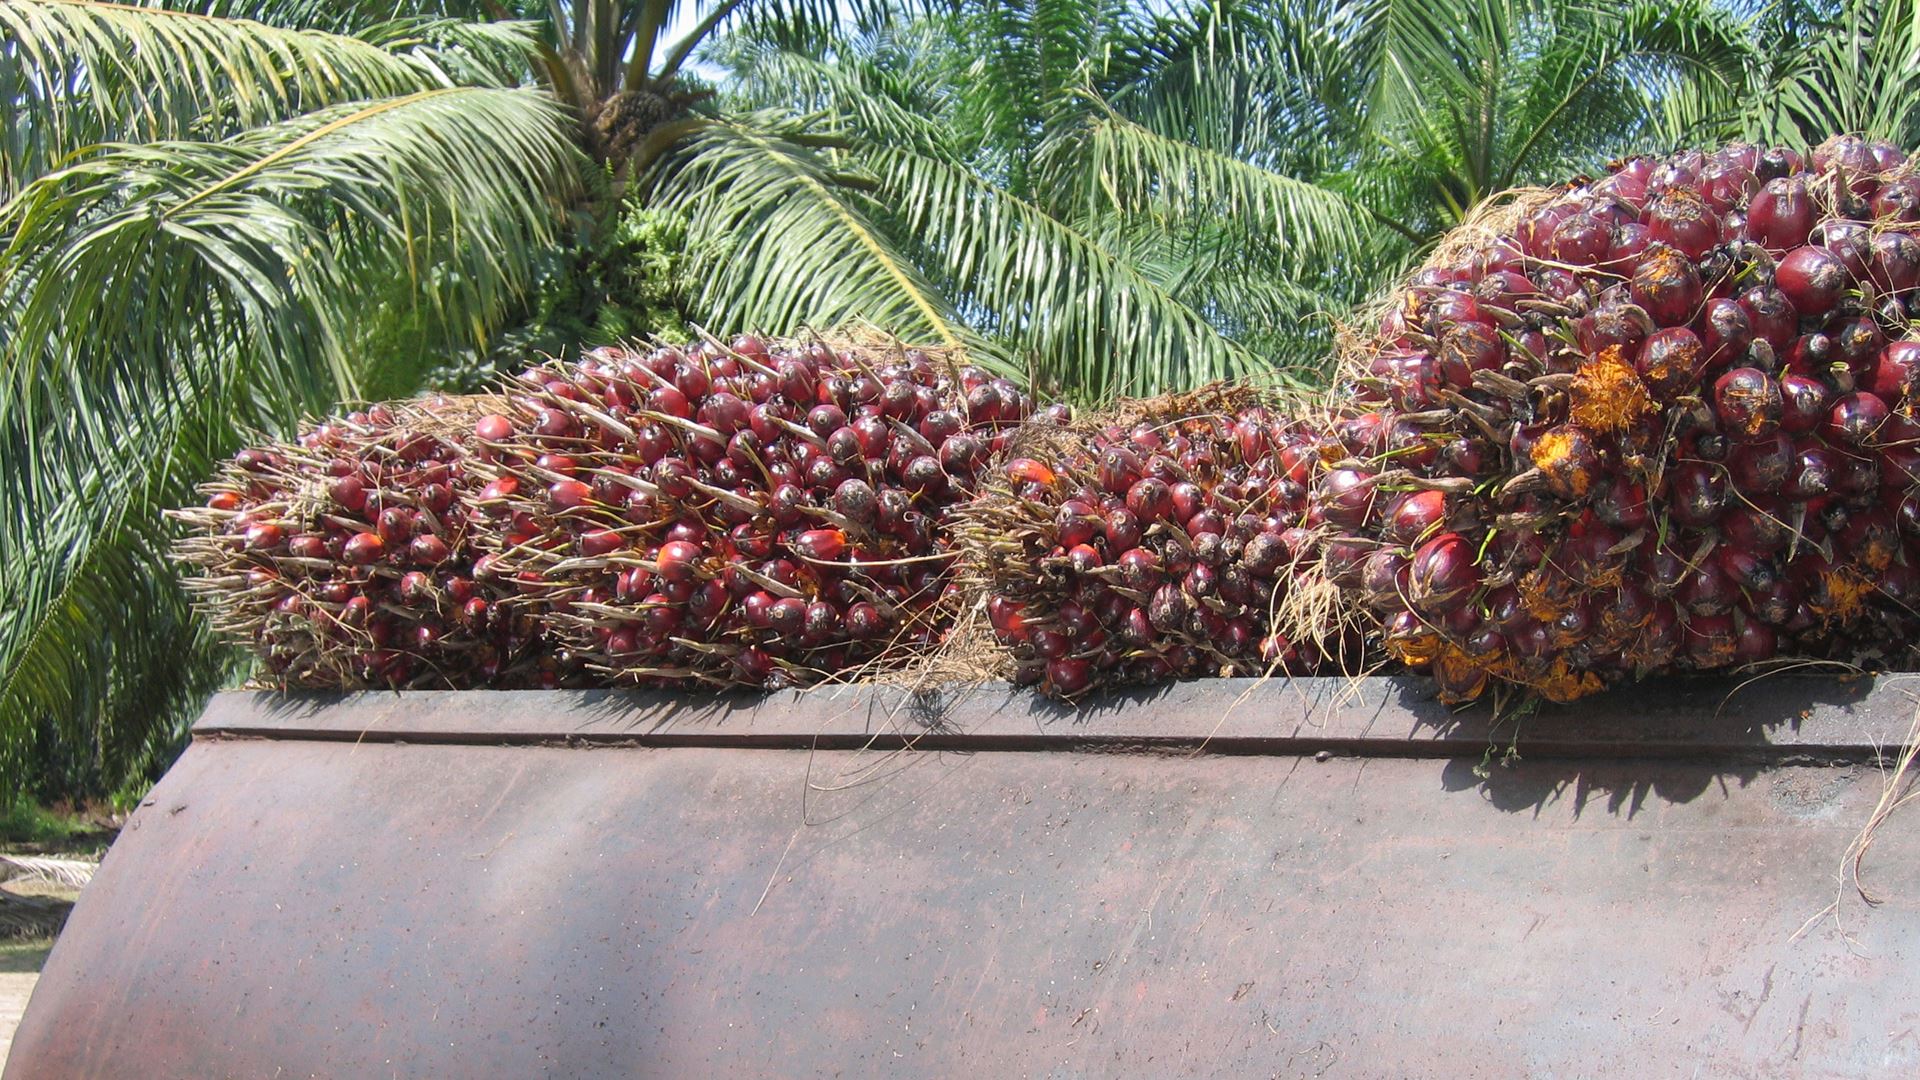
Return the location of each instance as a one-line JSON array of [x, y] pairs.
[[81, 73], [156, 300], [776, 239]]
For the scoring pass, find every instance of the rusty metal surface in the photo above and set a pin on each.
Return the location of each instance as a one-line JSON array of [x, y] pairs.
[[320, 906], [1780, 718]]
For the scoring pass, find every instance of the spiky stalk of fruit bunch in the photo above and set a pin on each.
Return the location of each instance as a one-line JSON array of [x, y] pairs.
[[1682, 402], [345, 559], [760, 513], [1157, 542]]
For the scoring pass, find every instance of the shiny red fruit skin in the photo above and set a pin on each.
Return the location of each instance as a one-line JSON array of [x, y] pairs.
[[363, 548]]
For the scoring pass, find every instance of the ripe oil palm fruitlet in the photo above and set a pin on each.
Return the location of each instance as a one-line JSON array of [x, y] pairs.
[[1678, 405]]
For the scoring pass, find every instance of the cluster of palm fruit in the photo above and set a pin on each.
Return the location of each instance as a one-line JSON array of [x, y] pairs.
[[345, 558], [1661, 420], [1158, 543], [768, 513]]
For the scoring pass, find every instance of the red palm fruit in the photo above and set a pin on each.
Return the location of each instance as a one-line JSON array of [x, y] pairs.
[[494, 428], [1443, 575], [1581, 240], [1344, 559], [1781, 214], [308, 546], [569, 494], [427, 549], [1614, 322], [1856, 419], [864, 622], [1623, 254], [1187, 499], [363, 548], [415, 587], [1029, 471], [1871, 539], [1852, 158], [1459, 678], [1857, 344], [1894, 266], [1813, 278], [264, 537], [1754, 641], [1364, 435], [395, 525], [597, 542], [1670, 362], [821, 624], [1122, 531], [1569, 460], [1803, 402], [1069, 675], [1747, 570], [1896, 375], [1697, 493], [1727, 181], [1466, 348], [753, 666], [676, 560], [1139, 569], [1816, 472], [1622, 503], [1416, 515], [1763, 464], [1150, 500], [1746, 403], [555, 423], [1119, 469], [1724, 332], [1710, 641], [1347, 497], [1667, 285], [1770, 317], [1384, 580], [1897, 200], [787, 616], [350, 492], [1083, 558], [1206, 521], [1681, 218]]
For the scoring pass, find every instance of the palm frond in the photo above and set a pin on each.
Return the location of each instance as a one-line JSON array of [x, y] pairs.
[[78, 73], [1141, 171], [1086, 319], [776, 239], [157, 299]]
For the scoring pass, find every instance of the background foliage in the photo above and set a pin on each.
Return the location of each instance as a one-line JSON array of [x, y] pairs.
[[219, 216]]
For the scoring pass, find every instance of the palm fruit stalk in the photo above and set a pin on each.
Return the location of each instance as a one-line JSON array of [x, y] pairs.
[[1680, 401], [345, 559], [759, 513], [1156, 542]]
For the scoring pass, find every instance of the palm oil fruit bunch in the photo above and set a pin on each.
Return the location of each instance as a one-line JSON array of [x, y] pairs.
[[1154, 544], [1670, 412], [759, 513], [345, 558]]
